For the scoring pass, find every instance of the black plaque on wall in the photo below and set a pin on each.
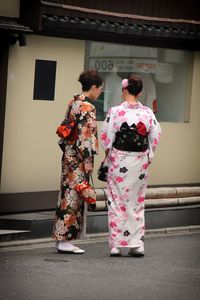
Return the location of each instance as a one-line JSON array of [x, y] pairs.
[[44, 82]]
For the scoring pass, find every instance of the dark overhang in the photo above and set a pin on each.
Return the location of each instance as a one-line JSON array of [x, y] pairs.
[[11, 24], [171, 24], [143, 34], [12, 31]]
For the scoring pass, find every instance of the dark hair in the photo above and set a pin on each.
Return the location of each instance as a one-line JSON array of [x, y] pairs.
[[90, 78], [135, 85]]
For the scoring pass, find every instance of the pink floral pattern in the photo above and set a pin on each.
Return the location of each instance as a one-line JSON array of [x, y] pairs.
[[128, 174]]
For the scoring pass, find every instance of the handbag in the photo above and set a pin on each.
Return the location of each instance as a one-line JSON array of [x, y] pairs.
[[64, 130], [103, 171], [87, 193]]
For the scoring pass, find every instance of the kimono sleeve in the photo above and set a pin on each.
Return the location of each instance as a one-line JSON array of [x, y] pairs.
[[108, 131], [154, 135], [87, 142]]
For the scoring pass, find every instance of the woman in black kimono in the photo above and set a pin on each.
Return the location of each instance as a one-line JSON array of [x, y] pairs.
[[77, 162]]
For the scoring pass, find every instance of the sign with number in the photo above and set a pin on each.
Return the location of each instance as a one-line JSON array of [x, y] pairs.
[[123, 65]]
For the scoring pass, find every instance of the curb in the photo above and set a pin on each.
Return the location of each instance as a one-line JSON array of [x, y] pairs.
[[94, 238]]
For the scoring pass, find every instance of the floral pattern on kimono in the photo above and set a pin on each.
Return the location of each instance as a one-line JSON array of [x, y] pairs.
[[128, 174], [69, 211]]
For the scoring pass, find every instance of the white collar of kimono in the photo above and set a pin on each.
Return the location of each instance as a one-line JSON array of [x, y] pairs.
[[130, 105]]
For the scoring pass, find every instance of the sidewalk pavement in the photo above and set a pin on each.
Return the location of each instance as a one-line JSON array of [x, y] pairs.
[[47, 241], [170, 270]]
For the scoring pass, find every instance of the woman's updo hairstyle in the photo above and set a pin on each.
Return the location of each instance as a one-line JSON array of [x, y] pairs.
[[135, 85], [90, 78]]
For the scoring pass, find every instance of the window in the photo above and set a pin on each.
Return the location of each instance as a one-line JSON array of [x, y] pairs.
[[166, 76], [44, 83]]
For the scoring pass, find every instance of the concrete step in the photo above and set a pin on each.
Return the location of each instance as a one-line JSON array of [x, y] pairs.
[[13, 235], [31, 225], [40, 224], [155, 218]]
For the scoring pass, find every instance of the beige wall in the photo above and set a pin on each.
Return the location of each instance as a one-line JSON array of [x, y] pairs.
[[9, 8], [31, 157]]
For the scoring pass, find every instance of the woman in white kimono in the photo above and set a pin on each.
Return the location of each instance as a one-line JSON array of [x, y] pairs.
[[130, 135]]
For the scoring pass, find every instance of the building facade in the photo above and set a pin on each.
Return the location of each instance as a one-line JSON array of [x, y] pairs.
[[46, 44]]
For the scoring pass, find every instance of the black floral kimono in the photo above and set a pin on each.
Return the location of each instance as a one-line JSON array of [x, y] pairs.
[[68, 217]]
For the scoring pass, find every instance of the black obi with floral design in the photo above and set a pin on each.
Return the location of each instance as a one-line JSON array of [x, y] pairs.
[[132, 138]]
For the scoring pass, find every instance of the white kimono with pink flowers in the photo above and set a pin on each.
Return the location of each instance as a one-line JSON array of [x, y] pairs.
[[127, 174]]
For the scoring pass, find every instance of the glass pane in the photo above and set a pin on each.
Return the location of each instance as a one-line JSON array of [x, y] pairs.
[[165, 74]]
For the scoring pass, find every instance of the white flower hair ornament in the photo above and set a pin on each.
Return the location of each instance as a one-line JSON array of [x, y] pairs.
[[124, 83]]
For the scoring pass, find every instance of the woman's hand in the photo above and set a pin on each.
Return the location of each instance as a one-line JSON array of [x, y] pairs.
[[88, 165], [107, 152]]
